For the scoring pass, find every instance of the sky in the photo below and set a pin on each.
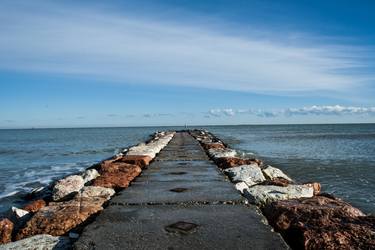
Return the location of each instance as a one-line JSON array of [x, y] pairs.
[[149, 62]]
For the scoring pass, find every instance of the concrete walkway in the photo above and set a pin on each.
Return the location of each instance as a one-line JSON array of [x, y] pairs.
[[181, 201]]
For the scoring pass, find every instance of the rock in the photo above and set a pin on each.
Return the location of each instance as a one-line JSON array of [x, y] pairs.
[[60, 217], [277, 181], [321, 223], [230, 162], [34, 206], [140, 160], [19, 213], [96, 191], [116, 175], [272, 172], [220, 153], [316, 186], [89, 175], [42, 242], [214, 145], [6, 229], [73, 235], [143, 149], [241, 186], [262, 195], [250, 174], [67, 186]]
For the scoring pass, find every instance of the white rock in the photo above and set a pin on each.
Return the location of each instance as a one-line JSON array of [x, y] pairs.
[[263, 194], [272, 172], [89, 175], [96, 191], [219, 153], [250, 174], [67, 186], [19, 213], [241, 186], [39, 242]]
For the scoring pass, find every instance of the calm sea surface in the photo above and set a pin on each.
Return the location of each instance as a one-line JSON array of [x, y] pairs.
[[340, 157]]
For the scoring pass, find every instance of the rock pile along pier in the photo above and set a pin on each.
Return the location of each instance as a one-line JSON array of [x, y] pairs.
[[185, 190]]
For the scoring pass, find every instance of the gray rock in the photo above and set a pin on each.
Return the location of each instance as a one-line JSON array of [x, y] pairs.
[[219, 153], [67, 186], [272, 172], [241, 186], [96, 191], [250, 174], [90, 175], [263, 194], [39, 242]]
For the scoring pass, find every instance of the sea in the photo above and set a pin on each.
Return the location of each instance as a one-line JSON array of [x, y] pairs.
[[341, 156]]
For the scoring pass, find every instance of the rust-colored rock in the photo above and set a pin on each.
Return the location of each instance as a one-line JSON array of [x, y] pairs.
[[140, 160], [214, 145], [60, 217], [116, 174], [278, 181], [6, 229], [230, 162], [316, 186], [35, 206], [321, 223]]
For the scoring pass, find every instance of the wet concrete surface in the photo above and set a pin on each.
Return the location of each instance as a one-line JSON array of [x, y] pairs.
[[182, 201]]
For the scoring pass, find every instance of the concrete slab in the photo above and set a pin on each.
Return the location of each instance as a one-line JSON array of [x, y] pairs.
[[181, 156], [179, 227], [181, 201], [193, 165], [181, 174], [172, 192]]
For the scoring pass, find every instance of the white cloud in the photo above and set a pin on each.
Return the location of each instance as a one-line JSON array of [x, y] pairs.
[[96, 44], [330, 110], [313, 110]]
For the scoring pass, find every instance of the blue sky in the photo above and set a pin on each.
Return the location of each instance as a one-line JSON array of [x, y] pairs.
[[136, 63]]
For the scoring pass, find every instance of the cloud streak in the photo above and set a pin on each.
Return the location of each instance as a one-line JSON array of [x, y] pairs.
[[337, 110], [60, 39]]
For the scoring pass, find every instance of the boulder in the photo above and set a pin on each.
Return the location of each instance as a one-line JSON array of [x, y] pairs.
[[19, 213], [241, 186], [42, 241], [116, 174], [220, 153], [213, 145], [250, 174], [140, 160], [67, 186], [34, 206], [89, 175], [262, 195], [60, 217], [96, 191], [143, 149], [277, 181], [230, 162], [272, 172], [321, 223], [316, 186], [6, 229]]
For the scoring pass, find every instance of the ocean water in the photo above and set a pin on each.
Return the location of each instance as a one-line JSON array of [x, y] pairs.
[[340, 157]]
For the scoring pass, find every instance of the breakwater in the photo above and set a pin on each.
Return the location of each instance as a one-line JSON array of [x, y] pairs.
[[180, 197]]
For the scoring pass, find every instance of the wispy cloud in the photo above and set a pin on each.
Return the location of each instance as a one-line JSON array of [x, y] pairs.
[[330, 110], [118, 47], [312, 110]]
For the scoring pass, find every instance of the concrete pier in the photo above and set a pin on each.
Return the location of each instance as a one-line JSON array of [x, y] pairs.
[[182, 201]]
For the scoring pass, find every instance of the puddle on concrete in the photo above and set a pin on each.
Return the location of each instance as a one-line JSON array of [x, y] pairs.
[[182, 227]]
